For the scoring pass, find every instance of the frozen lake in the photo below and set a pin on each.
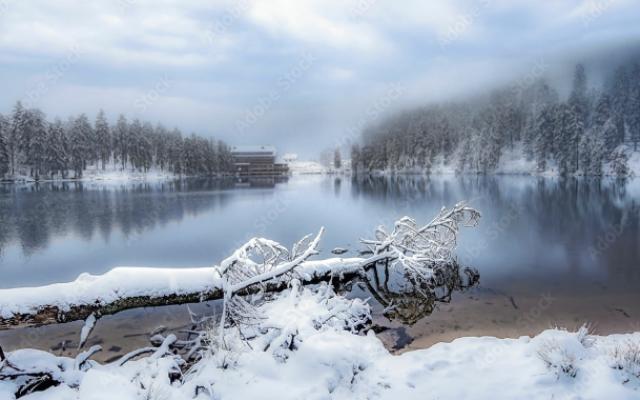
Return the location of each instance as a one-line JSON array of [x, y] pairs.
[[549, 251]]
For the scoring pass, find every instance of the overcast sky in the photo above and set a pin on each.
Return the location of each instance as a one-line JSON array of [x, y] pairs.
[[299, 74]]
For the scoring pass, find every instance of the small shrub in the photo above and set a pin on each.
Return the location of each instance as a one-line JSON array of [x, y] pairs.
[[626, 358], [558, 358]]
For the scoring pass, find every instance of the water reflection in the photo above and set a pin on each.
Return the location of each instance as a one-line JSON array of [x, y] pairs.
[[551, 230], [32, 214], [574, 225], [576, 241], [407, 300]]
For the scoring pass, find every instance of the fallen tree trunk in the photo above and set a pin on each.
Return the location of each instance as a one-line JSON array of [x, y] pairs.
[[128, 288], [424, 253]]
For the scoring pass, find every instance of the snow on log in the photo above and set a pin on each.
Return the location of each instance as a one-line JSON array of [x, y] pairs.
[[125, 288], [424, 253]]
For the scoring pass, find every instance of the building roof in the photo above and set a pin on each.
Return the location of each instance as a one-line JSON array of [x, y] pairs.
[[254, 149]]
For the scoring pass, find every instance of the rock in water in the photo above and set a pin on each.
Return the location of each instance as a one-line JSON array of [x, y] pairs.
[[339, 250]]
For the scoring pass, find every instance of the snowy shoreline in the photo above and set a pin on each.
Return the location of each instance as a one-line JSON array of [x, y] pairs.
[[307, 341], [333, 363]]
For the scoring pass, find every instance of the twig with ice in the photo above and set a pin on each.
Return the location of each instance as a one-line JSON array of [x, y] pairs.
[[87, 328]]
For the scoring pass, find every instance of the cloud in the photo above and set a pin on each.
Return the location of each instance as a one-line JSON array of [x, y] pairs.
[[120, 32], [322, 23], [222, 57]]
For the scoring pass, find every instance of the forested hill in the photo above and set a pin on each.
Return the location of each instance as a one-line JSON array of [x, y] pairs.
[[595, 131], [34, 147]]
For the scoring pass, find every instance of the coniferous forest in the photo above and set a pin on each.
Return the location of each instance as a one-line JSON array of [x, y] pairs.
[[31, 146], [592, 131]]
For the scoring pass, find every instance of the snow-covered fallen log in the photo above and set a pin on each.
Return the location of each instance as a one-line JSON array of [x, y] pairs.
[[133, 287], [252, 321], [424, 253]]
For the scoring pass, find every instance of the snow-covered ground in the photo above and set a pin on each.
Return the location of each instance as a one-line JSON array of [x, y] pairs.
[[112, 173], [512, 162], [330, 362], [306, 168]]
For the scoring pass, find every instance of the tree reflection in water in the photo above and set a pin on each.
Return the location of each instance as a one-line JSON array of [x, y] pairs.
[[31, 214], [408, 299]]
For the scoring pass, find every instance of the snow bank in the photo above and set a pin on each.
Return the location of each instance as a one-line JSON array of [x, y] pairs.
[[306, 168], [328, 362]]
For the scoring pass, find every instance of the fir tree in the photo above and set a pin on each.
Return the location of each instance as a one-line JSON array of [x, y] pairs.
[[80, 143], [16, 127], [103, 139], [4, 148], [57, 157]]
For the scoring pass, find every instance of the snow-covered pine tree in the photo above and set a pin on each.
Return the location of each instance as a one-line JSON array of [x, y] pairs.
[[103, 139], [121, 141], [4, 149], [80, 144], [544, 138], [176, 152], [573, 134], [620, 164], [633, 106], [619, 97], [579, 107], [133, 144], [145, 151], [16, 126], [465, 156], [578, 97], [33, 141], [57, 159], [160, 143]]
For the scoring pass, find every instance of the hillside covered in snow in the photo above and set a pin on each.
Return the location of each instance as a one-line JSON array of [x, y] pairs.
[[527, 127]]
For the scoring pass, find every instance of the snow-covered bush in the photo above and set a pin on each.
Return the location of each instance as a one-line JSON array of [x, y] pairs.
[[562, 354], [626, 358]]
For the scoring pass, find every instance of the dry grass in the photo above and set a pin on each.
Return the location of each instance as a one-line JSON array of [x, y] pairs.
[[626, 358], [558, 358]]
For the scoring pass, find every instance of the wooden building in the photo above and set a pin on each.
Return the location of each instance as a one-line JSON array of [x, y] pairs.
[[257, 161]]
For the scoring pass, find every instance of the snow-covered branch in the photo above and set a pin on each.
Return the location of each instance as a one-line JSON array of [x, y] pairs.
[[254, 317], [261, 265]]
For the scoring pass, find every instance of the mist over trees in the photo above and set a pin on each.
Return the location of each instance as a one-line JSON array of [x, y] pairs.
[[32, 146], [578, 135]]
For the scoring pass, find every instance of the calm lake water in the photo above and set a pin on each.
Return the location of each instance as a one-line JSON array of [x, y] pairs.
[[549, 251]]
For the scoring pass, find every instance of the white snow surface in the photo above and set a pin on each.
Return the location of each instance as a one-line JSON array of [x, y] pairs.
[[332, 363], [306, 168], [112, 173]]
